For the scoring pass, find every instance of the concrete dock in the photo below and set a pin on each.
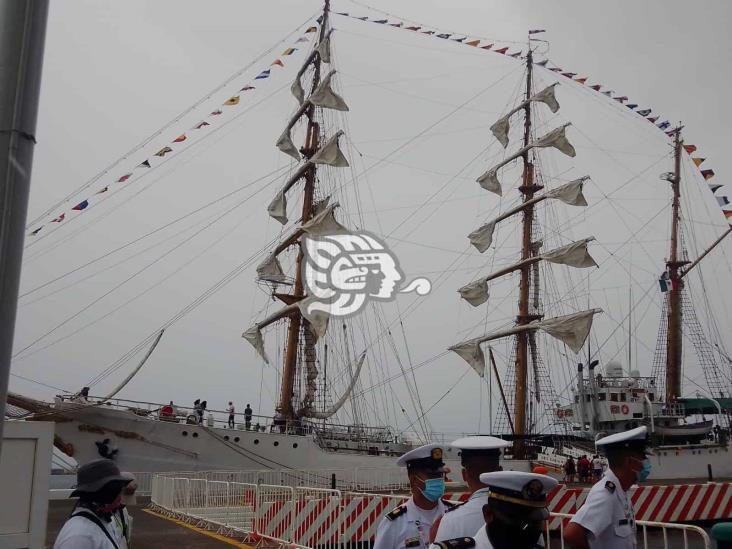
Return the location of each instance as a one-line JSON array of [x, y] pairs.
[[149, 530]]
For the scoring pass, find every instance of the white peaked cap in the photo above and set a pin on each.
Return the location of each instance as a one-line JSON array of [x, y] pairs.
[[528, 489], [433, 452], [637, 434], [479, 442]]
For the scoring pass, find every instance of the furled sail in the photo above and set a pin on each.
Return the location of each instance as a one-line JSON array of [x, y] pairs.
[[475, 293], [285, 144], [323, 48], [330, 154], [324, 222], [254, 336], [572, 330], [502, 125], [317, 318], [277, 209], [471, 352], [574, 254], [270, 270], [325, 97], [569, 193], [482, 237], [341, 401], [556, 138]]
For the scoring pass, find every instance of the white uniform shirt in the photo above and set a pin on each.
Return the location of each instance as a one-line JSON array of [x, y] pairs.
[[608, 514], [464, 520], [481, 539], [410, 529], [82, 533]]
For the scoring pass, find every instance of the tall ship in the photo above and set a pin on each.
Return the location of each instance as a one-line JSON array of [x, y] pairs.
[[325, 417]]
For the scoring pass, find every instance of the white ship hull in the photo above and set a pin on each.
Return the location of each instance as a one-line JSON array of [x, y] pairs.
[[149, 445]]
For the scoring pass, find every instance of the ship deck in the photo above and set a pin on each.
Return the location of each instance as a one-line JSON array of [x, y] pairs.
[[149, 529]]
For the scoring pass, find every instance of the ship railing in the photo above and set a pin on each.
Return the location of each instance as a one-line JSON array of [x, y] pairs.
[[652, 534]]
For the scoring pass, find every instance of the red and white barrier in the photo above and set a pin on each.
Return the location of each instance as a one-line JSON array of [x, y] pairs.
[[308, 517]]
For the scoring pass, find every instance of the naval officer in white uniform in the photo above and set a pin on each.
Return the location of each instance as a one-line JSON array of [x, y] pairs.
[[408, 525], [514, 511], [478, 454], [607, 518]]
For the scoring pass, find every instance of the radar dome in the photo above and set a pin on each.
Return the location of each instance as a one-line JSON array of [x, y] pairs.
[[634, 373], [614, 369]]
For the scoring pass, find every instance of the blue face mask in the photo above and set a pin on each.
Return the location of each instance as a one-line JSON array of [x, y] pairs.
[[434, 488], [645, 470]]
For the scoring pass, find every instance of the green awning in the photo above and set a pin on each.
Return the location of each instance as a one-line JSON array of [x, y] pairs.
[[705, 405]]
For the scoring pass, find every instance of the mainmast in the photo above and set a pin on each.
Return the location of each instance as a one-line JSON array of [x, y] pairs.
[[296, 320], [528, 188], [674, 336], [571, 329]]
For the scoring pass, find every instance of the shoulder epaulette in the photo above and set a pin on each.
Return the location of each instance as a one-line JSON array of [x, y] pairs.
[[610, 486], [456, 543], [396, 512], [452, 506]]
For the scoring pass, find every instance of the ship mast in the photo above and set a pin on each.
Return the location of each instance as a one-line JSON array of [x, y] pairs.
[[296, 320], [673, 265], [528, 188], [571, 329]]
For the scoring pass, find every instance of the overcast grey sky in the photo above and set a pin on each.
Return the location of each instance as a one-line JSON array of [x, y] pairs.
[[115, 72]]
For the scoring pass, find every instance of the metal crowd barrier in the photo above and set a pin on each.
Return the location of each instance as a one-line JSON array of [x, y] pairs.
[[307, 517], [661, 534]]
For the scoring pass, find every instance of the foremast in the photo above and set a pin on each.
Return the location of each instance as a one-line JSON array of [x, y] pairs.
[[571, 329], [305, 325], [296, 320]]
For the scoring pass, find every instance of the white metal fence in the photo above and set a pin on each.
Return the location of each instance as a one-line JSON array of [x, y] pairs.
[[302, 516], [650, 534], [356, 479]]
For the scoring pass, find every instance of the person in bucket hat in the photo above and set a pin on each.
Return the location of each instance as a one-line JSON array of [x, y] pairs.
[[99, 489]]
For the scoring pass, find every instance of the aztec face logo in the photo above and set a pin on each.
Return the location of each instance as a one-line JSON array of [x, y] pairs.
[[343, 271]]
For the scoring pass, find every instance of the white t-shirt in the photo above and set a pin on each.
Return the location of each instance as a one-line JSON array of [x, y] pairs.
[[231, 409], [81, 533], [597, 464]]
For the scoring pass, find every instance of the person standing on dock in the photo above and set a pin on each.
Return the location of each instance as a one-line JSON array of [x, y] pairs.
[[607, 518], [408, 525], [91, 526], [478, 454]]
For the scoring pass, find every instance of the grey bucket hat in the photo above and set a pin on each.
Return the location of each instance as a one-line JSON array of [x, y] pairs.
[[95, 475]]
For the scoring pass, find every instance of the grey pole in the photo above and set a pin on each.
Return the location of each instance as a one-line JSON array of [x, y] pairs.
[[22, 37]]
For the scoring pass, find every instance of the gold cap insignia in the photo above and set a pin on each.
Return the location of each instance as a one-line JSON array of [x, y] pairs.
[[436, 453]]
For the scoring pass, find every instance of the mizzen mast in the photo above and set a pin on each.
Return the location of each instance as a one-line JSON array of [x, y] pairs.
[[674, 335]]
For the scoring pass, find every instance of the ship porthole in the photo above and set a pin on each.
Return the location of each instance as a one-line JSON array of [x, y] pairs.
[[185, 433], [256, 441], [195, 435], [294, 445], [276, 443], [226, 437], [236, 439]]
